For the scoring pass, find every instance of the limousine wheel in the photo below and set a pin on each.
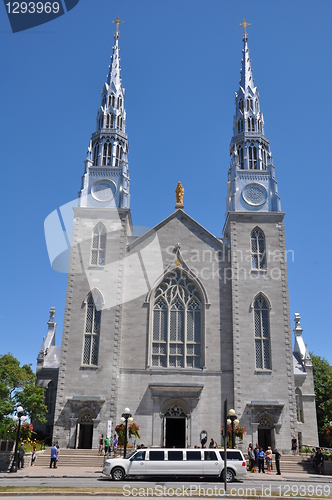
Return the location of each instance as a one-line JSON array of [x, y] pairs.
[[118, 474], [230, 475]]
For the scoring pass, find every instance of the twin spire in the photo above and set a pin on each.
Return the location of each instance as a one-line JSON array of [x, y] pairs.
[[106, 176]]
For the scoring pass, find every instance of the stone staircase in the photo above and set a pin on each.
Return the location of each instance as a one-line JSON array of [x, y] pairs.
[[72, 458], [90, 458], [293, 464]]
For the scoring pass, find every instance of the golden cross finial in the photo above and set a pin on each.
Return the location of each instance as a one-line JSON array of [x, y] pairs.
[[244, 24], [117, 22]]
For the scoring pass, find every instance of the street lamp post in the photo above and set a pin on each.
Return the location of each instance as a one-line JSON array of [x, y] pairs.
[[17, 418], [126, 417], [232, 420]]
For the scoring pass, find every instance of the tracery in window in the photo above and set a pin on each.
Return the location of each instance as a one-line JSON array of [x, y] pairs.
[[118, 155], [252, 150], [240, 126], [249, 104], [92, 330], [264, 161], [258, 257], [251, 124], [107, 152], [299, 405], [98, 245], [177, 323], [262, 334], [241, 160]]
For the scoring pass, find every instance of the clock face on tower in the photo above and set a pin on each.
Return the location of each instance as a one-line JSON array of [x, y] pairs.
[[254, 194], [103, 190]]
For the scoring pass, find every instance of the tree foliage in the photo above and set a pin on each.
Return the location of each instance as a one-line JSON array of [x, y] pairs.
[[17, 387], [323, 391]]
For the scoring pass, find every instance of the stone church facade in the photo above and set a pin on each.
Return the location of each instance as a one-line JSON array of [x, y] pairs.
[[172, 322]]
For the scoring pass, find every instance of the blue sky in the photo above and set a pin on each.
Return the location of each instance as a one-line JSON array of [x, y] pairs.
[[180, 67]]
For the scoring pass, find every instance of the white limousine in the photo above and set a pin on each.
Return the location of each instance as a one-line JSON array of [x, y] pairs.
[[173, 462]]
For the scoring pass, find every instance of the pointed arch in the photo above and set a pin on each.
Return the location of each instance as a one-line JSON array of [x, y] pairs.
[[93, 306], [98, 245], [299, 405], [177, 313], [262, 333], [258, 249]]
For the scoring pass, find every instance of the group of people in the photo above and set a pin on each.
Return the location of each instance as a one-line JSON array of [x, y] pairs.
[[212, 443], [258, 458], [20, 457], [105, 445]]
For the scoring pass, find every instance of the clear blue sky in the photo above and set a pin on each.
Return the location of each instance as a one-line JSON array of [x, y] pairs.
[[180, 66]]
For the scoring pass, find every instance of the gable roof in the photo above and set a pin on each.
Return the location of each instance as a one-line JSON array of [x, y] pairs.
[[176, 214]]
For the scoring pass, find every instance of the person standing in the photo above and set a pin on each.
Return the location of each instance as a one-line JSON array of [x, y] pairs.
[[33, 456], [294, 445], [268, 458], [277, 459], [261, 456], [107, 445], [21, 457], [319, 460], [251, 454], [54, 456], [115, 444], [101, 445], [212, 443]]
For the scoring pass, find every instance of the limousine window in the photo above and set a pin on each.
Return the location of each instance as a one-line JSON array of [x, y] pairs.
[[140, 455], [156, 455], [210, 455], [175, 455], [194, 455], [231, 455]]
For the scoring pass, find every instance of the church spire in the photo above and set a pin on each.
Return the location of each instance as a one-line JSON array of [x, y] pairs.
[[251, 180], [107, 152], [247, 79]]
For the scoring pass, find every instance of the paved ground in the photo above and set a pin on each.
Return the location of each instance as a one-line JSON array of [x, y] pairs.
[[41, 472]]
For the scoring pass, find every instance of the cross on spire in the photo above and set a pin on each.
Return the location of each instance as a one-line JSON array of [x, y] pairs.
[[117, 22], [244, 24]]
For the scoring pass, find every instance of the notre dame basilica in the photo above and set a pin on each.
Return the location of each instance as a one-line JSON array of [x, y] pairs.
[[172, 322]]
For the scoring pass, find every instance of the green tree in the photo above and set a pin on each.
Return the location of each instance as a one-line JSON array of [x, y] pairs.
[[323, 391], [18, 387]]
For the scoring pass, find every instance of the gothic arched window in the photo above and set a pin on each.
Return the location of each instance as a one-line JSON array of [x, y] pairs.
[[98, 247], [252, 157], [177, 323], [96, 153], [241, 160], [258, 257], [118, 153], [264, 162], [240, 126], [91, 330], [299, 405], [262, 334], [107, 151], [241, 105]]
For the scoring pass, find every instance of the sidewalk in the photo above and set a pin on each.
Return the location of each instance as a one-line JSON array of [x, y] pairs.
[[42, 472]]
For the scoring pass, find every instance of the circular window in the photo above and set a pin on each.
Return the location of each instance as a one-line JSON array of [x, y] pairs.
[[104, 190], [254, 194]]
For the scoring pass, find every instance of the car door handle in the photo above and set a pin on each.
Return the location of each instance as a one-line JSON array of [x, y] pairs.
[[142, 463], [216, 463]]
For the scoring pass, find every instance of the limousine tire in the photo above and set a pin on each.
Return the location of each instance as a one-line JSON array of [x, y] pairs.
[[118, 474], [230, 475]]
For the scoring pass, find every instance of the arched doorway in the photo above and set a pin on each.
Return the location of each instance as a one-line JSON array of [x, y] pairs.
[[84, 431], [265, 432], [175, 427]]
